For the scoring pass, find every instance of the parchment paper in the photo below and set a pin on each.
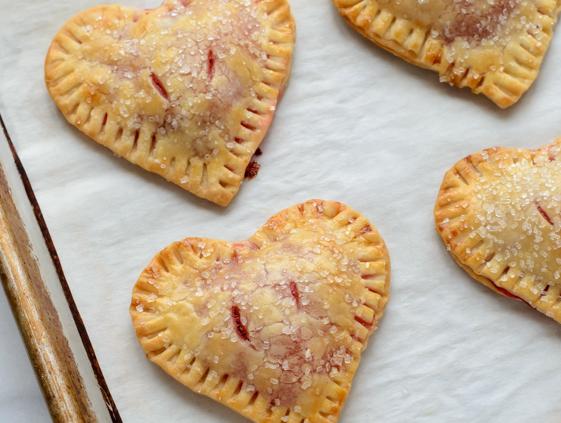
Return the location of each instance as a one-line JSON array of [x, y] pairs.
[[356, 125]]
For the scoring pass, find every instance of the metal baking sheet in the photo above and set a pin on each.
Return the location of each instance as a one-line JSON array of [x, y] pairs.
[[355, 125]]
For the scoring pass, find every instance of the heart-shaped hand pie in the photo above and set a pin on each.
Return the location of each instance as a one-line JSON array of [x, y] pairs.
[[187, 90], [499, 214], [272, 327], [493, 47]]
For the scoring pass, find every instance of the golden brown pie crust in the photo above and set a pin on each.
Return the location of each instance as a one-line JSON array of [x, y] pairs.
[[494, 47], [499, 214], [272, 327], [187, 90]]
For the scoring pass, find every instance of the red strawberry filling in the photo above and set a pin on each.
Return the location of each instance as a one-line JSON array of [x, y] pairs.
[[252, 169], [158, 84], [507, 294], [295, 293], [503, 291], [241, 329], [211, 60], [543, 213]]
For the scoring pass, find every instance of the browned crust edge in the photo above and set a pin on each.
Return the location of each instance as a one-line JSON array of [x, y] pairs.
[[412, 42], [493, 285], [284, 26], [165, 260]]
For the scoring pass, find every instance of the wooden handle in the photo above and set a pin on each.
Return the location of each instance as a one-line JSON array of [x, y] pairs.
[[37, 318]]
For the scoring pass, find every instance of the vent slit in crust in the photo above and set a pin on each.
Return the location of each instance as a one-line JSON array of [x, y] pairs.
[[195, 93], [505, 230], [211, 63], [159, 85], [276, 324]]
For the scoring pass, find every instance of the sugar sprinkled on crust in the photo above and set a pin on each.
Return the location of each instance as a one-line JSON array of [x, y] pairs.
[[269, 313], [499, 214], [520, 212], [494, 47], [187, 90]]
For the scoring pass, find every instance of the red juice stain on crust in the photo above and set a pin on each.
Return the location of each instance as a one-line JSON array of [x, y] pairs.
[[543, 213], [475, 25], [211, 59], [285, 395], [241, 329], [158, 84], [295, 293], [363, 322], [245, 244], [180, 3], [550, 154], [365, 230], [235, 257]]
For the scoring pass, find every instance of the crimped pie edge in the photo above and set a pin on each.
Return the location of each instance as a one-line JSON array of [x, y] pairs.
[[412, 42], [105, 130], [232, 392], [450, 211]]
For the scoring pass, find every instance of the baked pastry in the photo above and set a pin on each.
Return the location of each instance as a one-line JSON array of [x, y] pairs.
[[187, 90], [272, 327], [494, 47], [499, 214]]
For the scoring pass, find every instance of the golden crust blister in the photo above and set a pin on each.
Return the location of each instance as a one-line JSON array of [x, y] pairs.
[[187, 91], [501, 64], [272, 327], [499, 214]]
